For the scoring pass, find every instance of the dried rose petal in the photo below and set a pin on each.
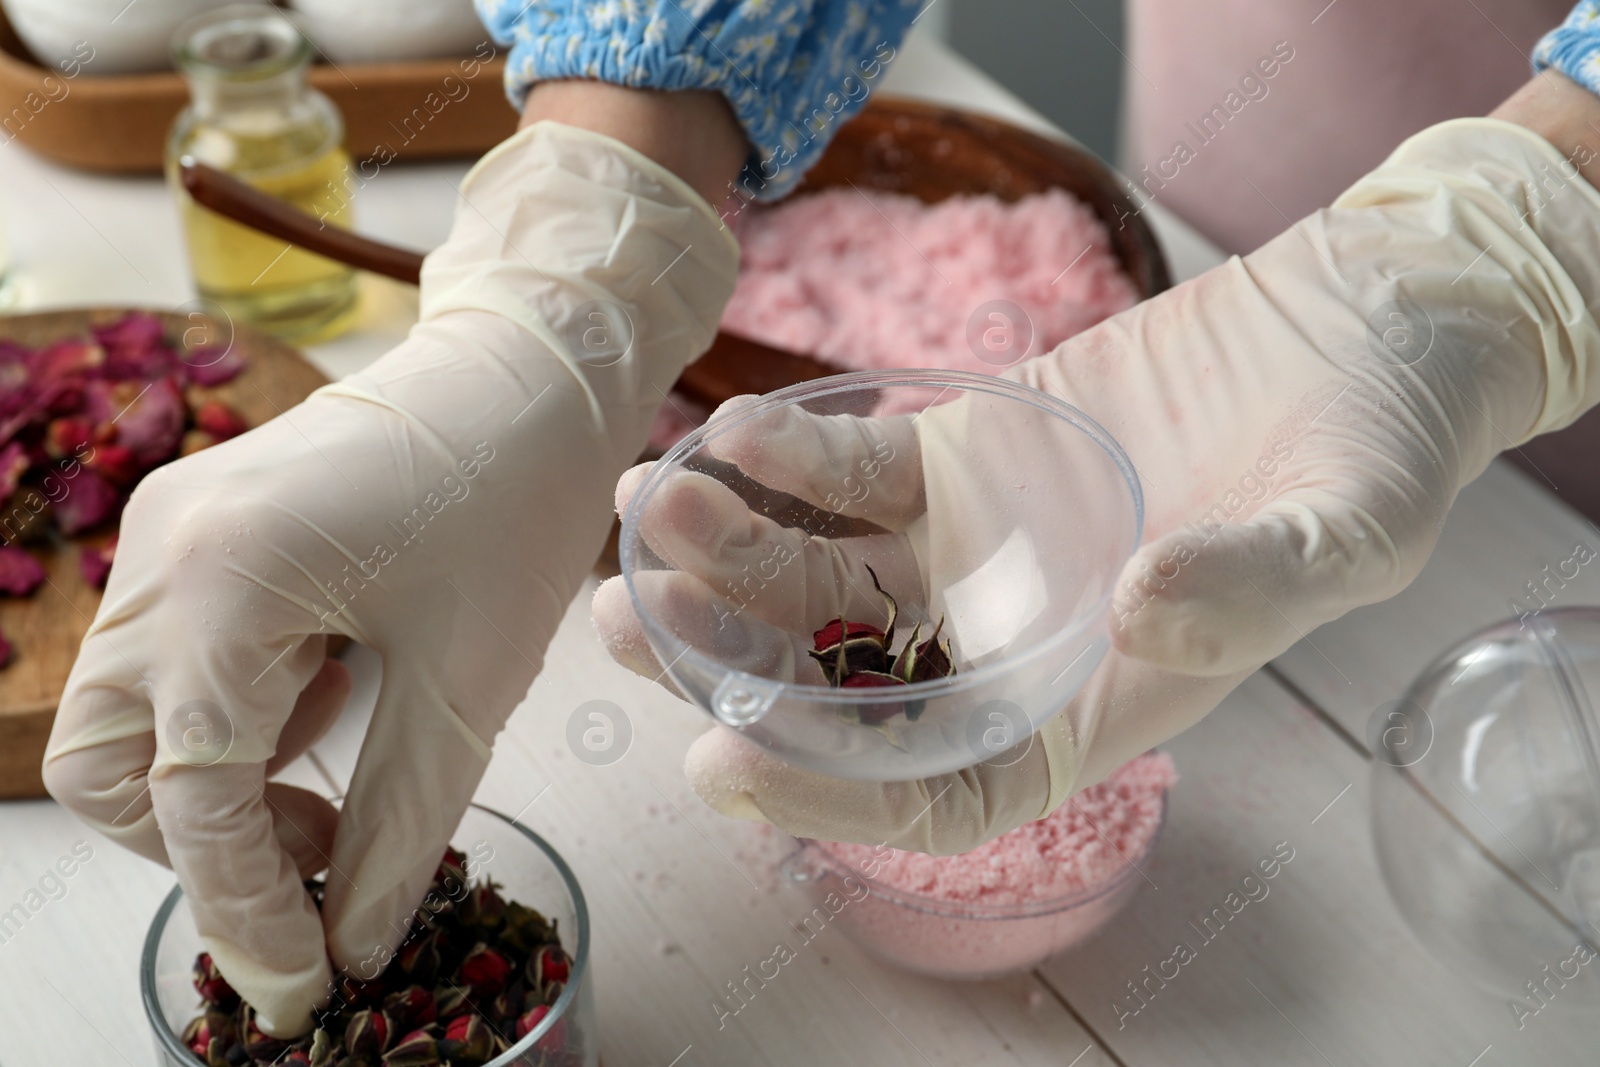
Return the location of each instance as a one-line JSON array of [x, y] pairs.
[[212, 364], [149, 416], [116, 463], [484, 971], [89, 501], [69, 435], [20, 573], [94, 563], [219, 420], [5, 650], [61, 361], [13, 465]]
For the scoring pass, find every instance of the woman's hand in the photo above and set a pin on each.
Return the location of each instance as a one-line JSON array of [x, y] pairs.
[[1301, 420]]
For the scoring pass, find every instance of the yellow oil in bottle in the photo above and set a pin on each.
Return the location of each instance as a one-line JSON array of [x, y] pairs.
[[253, 115]]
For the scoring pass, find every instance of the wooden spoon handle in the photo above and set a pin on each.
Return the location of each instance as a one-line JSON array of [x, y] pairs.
[[249, 206]]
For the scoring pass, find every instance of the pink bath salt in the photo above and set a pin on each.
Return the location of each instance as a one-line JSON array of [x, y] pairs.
[[1010, 904], [1086, 842], [891, 282]]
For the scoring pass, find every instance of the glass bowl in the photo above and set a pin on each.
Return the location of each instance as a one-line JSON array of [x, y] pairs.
[[956, 940], [1028, 551], [1486, 806], [521, 861]]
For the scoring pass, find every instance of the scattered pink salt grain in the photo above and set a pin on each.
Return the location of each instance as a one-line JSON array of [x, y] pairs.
[[892, 282], [1009, 904]]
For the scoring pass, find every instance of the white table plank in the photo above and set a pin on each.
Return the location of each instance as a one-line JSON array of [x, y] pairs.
[[683, 900], [1504, 530], [1321, 969]]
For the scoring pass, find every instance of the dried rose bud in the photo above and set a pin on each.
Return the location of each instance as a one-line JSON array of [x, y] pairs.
[[872, 714], [530, 1019], [197, 1037], [258, 1045], [219, 420], [508, 1005], [367, 1034], [842, 647], [483, 907], [467, 1038], [212, 987], [925, 661], [418, 958], [324, 1050], [295, 1057], [411, 1008], [356, 994], [417, 1049], [454, 864], [485, 972], [450, 1001], [549, 964]]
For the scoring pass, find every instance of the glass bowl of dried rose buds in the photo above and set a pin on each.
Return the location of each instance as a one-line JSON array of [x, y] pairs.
[[884, 575], [492, 972]]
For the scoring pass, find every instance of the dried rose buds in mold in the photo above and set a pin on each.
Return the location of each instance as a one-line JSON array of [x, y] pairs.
[[857, 655]]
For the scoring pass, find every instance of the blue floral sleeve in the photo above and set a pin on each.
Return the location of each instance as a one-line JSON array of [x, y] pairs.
[[1573, 48], [793, 70]]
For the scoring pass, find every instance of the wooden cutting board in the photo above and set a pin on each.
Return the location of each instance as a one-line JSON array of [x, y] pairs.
[[46, 628]]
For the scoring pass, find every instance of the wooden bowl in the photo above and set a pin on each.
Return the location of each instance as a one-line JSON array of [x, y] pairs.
[[46, 628], [932, 152], [118, 123]]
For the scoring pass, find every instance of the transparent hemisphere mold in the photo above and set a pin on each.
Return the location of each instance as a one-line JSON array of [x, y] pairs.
[[993, 514], [1486, 808]]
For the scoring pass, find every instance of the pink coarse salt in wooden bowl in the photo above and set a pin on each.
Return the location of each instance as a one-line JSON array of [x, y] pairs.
[[965, 927]]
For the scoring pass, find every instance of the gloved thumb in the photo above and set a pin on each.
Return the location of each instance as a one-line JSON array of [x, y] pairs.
[[1212, 599]]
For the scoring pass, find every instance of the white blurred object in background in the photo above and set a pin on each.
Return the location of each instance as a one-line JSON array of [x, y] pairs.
[[371, 31], [127, 38]]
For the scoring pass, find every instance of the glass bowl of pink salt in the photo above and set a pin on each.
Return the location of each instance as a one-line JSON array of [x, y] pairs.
[[1006, 906]]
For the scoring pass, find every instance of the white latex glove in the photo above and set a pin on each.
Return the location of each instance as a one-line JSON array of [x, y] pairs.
[[441, 508], [1298, 444]]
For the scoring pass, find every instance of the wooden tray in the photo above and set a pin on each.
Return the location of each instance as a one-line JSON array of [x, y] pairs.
[[46, 628], [119, 123]]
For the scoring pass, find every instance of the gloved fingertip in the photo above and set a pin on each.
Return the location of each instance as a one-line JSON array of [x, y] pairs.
[[727, 773], [611, 612], [629, 484]]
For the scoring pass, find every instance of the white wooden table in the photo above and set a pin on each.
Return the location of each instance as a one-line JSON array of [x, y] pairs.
[[1321, 972]]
